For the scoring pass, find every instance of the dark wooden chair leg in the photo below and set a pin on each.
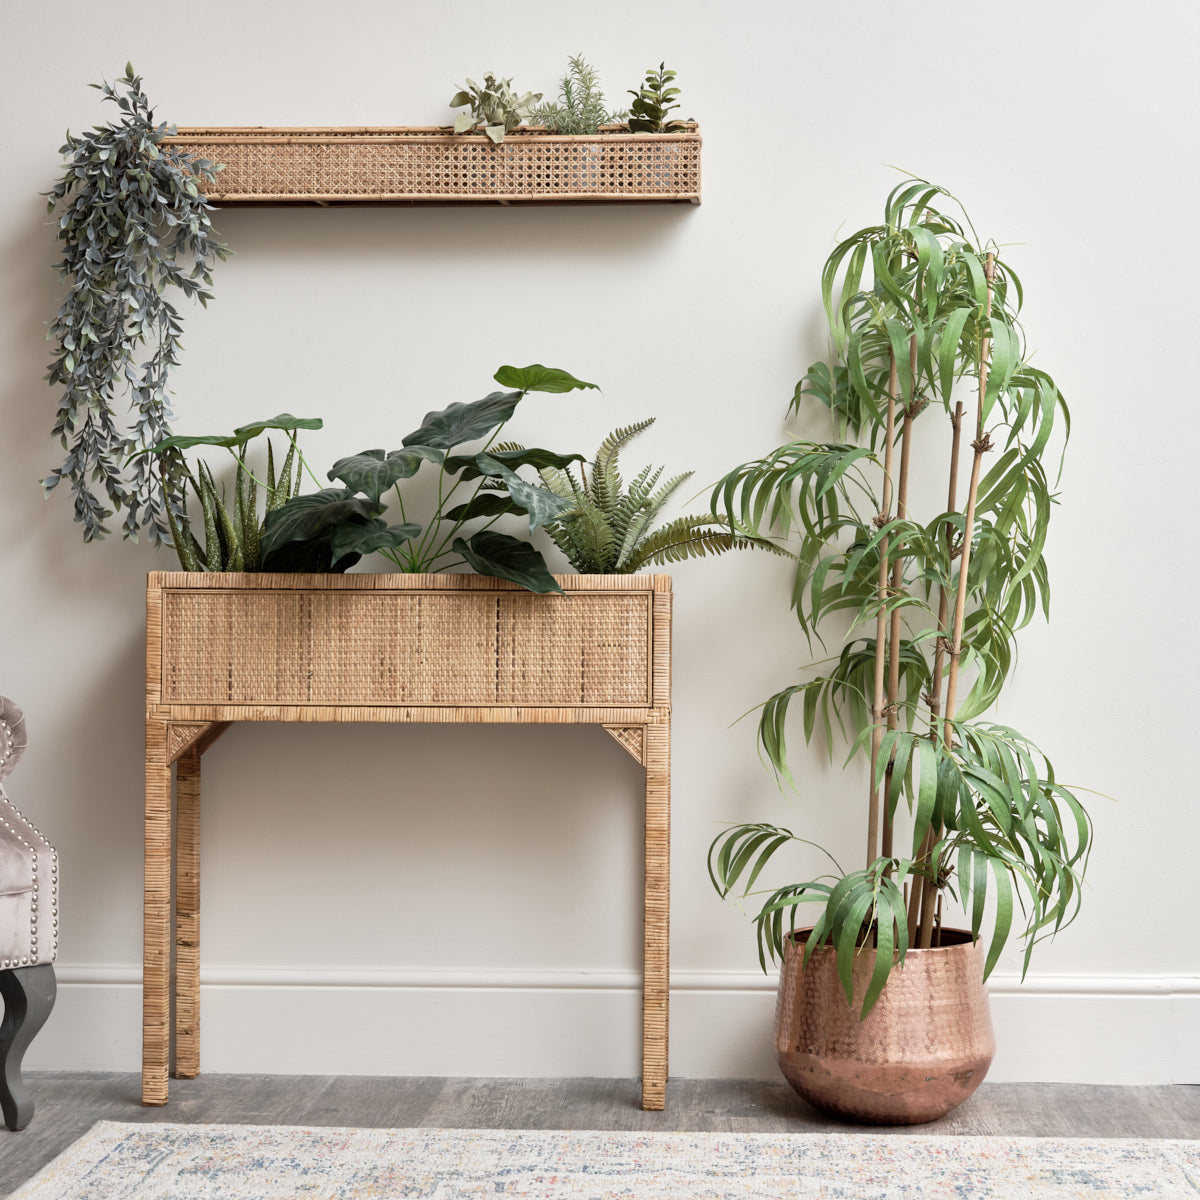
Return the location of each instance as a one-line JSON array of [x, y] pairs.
[[28, 994]]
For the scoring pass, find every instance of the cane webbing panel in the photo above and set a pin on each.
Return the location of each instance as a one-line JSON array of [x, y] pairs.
[[404, 648], [413, 164]]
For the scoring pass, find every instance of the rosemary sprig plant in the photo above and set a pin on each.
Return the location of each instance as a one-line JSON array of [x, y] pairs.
[[580, 107], [920, 313]]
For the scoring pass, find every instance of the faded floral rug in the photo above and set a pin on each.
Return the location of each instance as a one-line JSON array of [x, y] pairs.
[[116, 1161]]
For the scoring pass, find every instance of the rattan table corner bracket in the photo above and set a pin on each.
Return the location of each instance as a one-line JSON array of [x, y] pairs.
[[226, 648]]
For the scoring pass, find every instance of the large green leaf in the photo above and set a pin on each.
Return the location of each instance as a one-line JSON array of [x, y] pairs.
[[304, 518], [540, 503], [464, 422], [314, 557], [531, 457], [536, 378], [186, 442], [374, 471], [486, 504], [284, 421], [377, 535], [504, 557]]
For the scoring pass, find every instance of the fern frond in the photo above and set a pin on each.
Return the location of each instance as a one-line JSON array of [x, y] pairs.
[[605, 486], [694, 537], [585, 537], [654, 503], [561, 483]]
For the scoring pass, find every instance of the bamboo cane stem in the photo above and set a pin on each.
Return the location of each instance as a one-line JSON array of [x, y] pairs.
[[924, 890], [980, 446], [877, 706], [893, 687]]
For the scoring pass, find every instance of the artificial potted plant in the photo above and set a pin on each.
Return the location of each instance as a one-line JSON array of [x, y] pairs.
[[882, 1013]]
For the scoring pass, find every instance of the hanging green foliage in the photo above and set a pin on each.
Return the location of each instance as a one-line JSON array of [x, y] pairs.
[[133, 225]]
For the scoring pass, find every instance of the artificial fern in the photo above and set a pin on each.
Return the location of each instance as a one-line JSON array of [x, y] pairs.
[[610, 530], [581, 106]]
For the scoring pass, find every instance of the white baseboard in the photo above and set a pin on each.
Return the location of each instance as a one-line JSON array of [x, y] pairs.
[[1073, 1029]]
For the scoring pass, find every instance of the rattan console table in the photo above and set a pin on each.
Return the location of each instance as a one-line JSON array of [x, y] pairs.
[[224, 648]]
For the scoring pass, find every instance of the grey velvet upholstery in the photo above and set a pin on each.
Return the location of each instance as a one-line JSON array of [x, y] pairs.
[[28, 929], [28, 866]]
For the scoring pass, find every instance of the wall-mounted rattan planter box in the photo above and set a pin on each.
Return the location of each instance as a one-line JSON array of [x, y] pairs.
[[226, 648], [431, 166]]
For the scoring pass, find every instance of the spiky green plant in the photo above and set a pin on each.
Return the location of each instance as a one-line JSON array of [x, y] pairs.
[[232, 539], [610, 530], [580, 107]]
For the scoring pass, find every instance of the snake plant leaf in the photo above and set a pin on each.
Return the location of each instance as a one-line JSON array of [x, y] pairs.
[[372, 472], [542, 460], [284, 421], [457, 423], [504, 557], [536, 378], [304, 518], [376, 535], [541, 504]]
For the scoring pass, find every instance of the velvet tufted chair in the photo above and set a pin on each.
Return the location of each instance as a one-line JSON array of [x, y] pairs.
[[28, 928]]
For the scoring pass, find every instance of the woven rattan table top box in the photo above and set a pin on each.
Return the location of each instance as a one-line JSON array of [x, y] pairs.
[[431, 165], [225, 641]]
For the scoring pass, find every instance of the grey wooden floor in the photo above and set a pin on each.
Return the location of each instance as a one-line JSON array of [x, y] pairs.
[[68, 1104]]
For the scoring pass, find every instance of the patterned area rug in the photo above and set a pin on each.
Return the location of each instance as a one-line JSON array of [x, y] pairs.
[[272, 1162]]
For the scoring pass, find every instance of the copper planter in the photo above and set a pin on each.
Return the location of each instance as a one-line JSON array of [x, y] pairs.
[[922, 1050]]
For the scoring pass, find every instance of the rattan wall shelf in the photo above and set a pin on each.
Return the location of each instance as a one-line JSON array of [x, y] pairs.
[[222, 648], [431, 166]]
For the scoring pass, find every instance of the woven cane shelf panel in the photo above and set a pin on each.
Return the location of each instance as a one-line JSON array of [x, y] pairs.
[[430, 166], [412, 648]]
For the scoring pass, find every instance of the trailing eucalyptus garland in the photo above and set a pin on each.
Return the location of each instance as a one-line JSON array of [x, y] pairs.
[[133, 225]]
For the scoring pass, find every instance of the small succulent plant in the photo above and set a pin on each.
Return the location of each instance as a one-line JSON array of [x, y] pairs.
[[494, 105], [652, 102], [580, 107]]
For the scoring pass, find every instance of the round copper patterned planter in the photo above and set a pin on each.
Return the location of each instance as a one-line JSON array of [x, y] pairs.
[[922, 1050]]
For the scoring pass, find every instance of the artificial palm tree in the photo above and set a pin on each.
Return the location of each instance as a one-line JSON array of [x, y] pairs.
[[921, 315]]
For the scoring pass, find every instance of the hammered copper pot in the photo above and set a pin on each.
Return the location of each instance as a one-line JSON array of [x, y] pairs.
[[922, 1050]]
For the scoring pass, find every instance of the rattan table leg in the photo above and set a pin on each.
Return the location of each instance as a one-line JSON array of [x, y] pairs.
[[656, 966], [187, 914], [156, 927]]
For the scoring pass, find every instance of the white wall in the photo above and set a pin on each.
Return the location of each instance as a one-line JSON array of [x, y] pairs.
[[467, 901]]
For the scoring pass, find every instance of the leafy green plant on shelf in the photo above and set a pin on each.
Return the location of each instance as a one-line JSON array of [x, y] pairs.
[[580, 107], [133, 225], [232, 539], [331, 529], [609, 529], [494, 108], [653, 101], [920, 312]]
